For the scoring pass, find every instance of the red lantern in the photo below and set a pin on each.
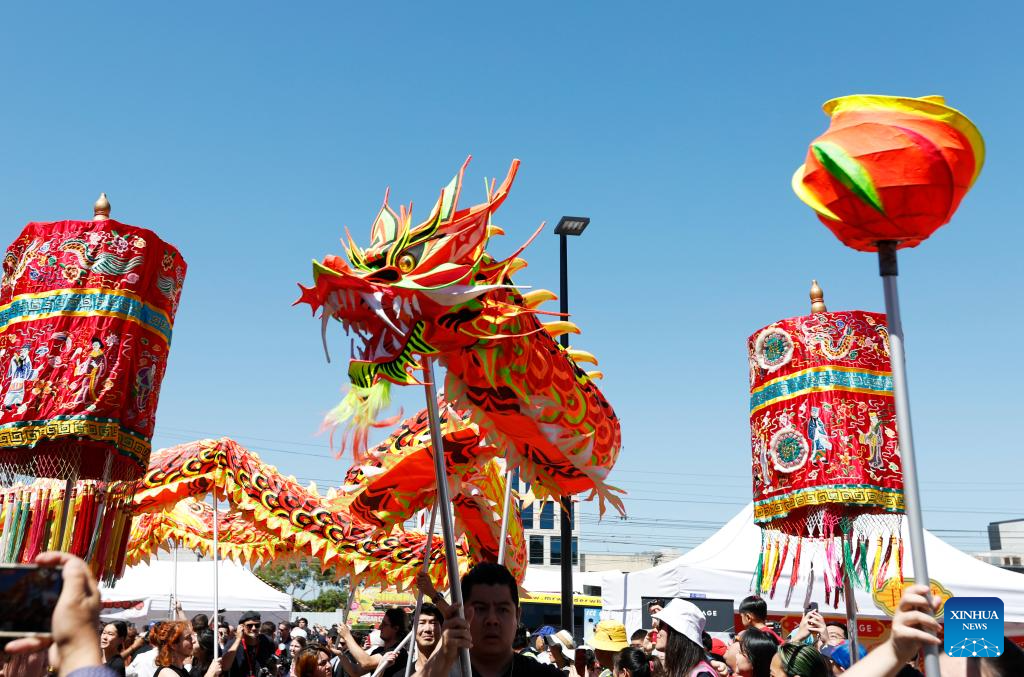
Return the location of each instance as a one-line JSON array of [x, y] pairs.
[[86, 311], [889, 168]]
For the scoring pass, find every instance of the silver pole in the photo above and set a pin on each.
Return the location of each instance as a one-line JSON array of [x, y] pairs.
[[442, 500], [216, 576], [413, 648], [174, 585], [625, 598], [504, 516], [851, 616], [889, 270]]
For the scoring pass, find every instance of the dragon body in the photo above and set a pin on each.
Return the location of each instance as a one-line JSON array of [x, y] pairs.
[[433, 290]]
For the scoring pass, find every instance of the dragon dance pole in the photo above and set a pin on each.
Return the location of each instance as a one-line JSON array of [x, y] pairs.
[[216, 572], [888, 268], [443, 502], [174, 585], [504, 516], [419, 596]]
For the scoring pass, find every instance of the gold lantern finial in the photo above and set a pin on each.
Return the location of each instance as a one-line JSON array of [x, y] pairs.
[[101, 210], [817, 299]]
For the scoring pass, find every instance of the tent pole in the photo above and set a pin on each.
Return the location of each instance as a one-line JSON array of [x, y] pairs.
[[625, 599], [442, 500]]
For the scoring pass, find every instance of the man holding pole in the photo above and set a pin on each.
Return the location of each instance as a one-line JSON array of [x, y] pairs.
[[393, 629], [492, 616]]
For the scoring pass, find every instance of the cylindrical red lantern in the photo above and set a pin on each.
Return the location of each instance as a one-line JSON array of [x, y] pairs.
[[889, 168], [825, 456], [86, 312]]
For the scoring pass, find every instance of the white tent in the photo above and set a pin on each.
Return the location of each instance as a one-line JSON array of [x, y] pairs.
[[145, 592], [722, 568]]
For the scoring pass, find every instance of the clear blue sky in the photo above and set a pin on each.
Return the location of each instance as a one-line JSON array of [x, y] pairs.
[[250, 133]]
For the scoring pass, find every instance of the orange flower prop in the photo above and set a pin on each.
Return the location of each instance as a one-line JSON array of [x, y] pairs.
[[889, 168]]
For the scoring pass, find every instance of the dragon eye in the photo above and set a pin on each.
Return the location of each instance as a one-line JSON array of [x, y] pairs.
[[406, 262]]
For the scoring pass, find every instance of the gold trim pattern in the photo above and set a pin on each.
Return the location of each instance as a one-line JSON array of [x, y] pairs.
[[97, 431], [770, 509]]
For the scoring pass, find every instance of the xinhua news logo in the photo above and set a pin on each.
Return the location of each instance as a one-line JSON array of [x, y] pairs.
[[973, 626]]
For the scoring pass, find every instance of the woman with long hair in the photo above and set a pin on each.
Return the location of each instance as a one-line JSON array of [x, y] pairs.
[[799, 660], [752, 655], [295, 648], [680, 630], [313, 661], [202, 655], [173, 645], [630, 662], [112, 644]]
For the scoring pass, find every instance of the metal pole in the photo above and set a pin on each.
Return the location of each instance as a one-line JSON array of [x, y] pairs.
[[504, 516], [443, 502], [851, 616], [216, 576], [348, 600], [889, 270], [413, 648], [625, 597], [568, 621], [174, 584]]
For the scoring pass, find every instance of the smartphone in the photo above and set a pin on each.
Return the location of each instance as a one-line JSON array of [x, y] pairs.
[[813, 606], [28, 593]]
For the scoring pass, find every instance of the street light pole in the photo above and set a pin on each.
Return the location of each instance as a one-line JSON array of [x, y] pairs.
[[568, 225]]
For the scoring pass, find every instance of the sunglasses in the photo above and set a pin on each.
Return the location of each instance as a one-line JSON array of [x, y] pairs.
[[250, 626]]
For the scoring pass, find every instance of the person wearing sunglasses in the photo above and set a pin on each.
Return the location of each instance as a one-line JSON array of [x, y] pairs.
[[250, 653]]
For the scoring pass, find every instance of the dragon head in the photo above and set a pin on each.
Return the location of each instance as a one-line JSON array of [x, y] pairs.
[[401, 296], [416, 290]]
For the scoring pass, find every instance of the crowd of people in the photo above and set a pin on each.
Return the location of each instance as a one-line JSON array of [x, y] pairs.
[[487, 630]]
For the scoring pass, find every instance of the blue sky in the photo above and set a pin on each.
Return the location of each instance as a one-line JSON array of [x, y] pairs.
[[249, 134]]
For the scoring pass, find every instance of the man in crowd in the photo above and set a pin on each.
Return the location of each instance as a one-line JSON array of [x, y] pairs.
[[250, 650], [491, 596], [393, 629], [754, 614], [609, 639], [636, 640], [521, 644], [428, 633]]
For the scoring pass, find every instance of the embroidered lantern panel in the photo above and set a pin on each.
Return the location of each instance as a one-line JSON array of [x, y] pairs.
[[86, 312], [825, 454]]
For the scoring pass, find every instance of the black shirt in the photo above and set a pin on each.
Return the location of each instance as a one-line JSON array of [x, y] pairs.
[[249, 660], [116, 663]]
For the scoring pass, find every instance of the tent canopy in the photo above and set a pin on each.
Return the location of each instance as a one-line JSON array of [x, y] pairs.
[[722, 567], [153, 585]]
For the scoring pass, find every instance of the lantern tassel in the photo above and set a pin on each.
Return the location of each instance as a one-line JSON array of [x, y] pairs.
[[882, 572], [810, 585], [779, 567], [899, 558], [755, 581], [794, 574]]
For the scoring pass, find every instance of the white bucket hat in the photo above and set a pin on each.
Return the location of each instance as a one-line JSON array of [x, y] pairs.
[[685, 618]]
